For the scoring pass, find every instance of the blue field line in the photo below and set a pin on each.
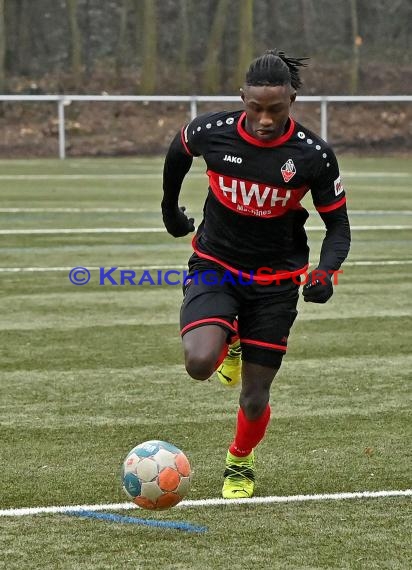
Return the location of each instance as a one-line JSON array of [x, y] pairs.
[[174, 525]]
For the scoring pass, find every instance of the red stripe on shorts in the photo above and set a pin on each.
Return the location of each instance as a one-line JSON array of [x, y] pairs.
[[209, 321], [262, 344]]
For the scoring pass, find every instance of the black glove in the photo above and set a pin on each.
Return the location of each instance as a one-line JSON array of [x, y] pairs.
[[176, 221], [318, 288]]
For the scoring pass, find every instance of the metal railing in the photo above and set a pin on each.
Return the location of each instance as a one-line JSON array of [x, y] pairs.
[[193, 100]]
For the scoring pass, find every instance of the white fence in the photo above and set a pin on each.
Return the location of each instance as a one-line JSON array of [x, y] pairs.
[[193, 100]]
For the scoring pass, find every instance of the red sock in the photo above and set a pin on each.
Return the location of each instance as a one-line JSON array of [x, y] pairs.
[[249, 432]]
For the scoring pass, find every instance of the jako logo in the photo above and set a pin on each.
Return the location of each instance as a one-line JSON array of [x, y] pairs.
[[229, 158]]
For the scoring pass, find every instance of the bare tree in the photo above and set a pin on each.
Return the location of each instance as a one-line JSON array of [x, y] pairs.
[[24, 35], [215, 37], [211, 78], [245, 40], [306, 9], [356, 43], [2, 49], [121, 44], [75, 41], [149, 64], [184, 46], [138, 28]]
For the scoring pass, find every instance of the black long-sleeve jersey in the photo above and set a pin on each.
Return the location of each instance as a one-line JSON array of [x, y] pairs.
[[252, 216]]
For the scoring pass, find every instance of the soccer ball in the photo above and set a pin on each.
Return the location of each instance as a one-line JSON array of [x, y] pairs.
[[156, 475]]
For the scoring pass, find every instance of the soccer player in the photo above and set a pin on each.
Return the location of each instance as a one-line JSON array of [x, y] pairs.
[[250, 250]]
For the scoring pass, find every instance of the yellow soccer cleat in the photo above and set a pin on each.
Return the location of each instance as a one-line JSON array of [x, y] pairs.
[[239, 477], [229, 371]]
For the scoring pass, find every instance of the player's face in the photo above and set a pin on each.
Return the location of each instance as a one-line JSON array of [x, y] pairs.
[[267, 109]]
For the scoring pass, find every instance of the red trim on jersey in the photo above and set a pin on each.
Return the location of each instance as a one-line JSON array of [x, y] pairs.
[[182, 136], [331, 207], [211, 321], [261, 278], [262, 344], [249, 198], [257, 142]]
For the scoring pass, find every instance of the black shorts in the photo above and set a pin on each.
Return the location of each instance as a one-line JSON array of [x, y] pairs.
[[265, 313]]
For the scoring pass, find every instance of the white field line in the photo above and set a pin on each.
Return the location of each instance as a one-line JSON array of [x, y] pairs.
[[83, 231], [80, 210], [210, 502], [141, 175], [382, 262], [45, 231], [181, 267], [146, 210], [159, 174]]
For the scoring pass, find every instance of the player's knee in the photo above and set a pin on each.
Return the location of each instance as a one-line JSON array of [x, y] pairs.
[[199, 366], [253, 405]]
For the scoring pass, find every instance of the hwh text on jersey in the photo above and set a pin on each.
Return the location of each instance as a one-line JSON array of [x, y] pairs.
[[243, 192], [253, 198]]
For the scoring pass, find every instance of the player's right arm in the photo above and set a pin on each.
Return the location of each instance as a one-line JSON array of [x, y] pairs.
[[177, 165], [178, 161], [191, 141]]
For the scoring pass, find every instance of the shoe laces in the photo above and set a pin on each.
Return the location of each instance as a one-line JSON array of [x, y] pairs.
[[239, 471], [235, 352]]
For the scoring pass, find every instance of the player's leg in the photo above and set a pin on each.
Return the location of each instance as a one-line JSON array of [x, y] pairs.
[[204, 347], [207, 325], [252, 420], [263, 328]]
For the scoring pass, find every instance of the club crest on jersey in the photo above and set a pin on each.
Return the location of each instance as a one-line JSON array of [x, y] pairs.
[[288, 170], [338, 186]]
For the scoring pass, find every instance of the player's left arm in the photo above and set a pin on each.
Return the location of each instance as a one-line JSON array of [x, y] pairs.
[[330, 201]]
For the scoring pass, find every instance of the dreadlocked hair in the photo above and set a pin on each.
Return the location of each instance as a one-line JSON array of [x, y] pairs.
[[274, 68]]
